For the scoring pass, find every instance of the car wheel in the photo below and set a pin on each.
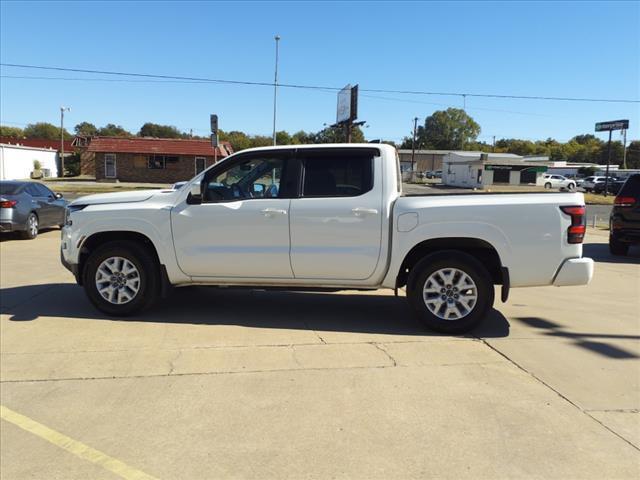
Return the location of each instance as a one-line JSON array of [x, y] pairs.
[[121, 278], [616, 247], [547, 185], [571, 187], [450, 291], [31, 227]]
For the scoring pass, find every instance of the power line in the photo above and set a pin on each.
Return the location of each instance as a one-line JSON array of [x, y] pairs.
[[318, 87]]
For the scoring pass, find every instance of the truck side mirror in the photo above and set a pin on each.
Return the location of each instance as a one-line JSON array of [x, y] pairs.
[[195, 194]]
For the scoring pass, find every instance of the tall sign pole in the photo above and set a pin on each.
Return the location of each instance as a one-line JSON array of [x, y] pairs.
[[213, 118], [275, 90], [610, 127]]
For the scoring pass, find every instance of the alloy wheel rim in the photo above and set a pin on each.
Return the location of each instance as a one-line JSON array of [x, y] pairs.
[[33, 225], [450, 294], [117, 280]]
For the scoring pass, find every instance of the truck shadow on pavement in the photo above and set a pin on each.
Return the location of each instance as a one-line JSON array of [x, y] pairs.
[[584, 340], [600, 253], [353, 313]]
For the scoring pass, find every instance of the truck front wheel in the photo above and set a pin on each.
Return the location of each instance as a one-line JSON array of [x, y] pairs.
[[450, 291], [121, 278]]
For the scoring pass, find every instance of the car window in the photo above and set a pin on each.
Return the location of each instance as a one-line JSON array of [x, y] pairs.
[[253, 178], [32, 190], [631, 187], [42, 190], [339, 173], [9, 188]]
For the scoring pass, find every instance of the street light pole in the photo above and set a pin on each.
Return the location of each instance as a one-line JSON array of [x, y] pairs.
[[275, 90], [413, 144], [62, 110]]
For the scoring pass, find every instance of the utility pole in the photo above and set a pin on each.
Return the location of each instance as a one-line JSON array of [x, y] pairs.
[[62, 110], [275, 90], [494, 144], [413, 144], [624, 149]]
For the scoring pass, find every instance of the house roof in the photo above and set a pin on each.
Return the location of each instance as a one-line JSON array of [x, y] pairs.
[[405, 151], [162, 146], [37, 143]]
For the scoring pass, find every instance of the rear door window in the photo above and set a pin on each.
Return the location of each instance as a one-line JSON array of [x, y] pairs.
[[9, 188], [631, 187], [338, 173]]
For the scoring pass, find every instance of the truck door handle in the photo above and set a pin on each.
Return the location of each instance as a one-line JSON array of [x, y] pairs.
[[270, 212], [360, 212]]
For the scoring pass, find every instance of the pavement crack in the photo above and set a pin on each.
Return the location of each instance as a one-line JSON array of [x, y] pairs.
[[558, 393], [172, 362], [383, 350]]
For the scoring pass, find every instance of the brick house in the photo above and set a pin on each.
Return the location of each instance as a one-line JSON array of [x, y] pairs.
[[152, 160]]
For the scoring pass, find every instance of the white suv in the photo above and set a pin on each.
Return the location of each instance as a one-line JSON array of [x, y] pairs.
[[558, 181]]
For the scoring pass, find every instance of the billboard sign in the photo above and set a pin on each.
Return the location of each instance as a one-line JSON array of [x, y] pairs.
[[347, 104], [344, 105], [612, 125]]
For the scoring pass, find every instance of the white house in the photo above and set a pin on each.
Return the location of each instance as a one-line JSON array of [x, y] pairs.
[[16, 161], [477, 169]]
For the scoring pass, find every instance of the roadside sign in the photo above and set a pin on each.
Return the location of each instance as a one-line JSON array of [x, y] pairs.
[[612, 125], [214, 123], [347, 104], [214, 140]]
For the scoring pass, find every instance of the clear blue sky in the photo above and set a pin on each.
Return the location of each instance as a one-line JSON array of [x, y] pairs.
[[573, 49]]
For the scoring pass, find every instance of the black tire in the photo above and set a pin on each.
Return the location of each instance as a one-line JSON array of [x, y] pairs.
[[460, 261], [547, 186], [30, 232], [571, 187], [149, 274], [618, 248]]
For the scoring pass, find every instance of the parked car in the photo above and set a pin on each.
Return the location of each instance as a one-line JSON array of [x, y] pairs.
[[624, 221], [590, 183], [613, 186], [26, 207], [558, 181], [178, 185], [324, 217]]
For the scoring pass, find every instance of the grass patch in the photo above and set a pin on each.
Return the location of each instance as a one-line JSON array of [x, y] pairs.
[[595, 199]]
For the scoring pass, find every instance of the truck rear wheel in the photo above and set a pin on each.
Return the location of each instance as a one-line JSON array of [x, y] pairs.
[[121, 278], [450, 291]]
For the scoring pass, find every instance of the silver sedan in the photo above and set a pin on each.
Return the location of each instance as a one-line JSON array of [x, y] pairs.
[[26, 207]]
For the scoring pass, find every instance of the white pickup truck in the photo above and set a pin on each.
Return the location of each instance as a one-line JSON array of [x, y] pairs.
[[323, 217]]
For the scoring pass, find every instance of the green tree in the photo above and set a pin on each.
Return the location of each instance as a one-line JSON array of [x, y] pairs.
[[112, 130], [160, 131], [86, 129], [45, 130], [448, 129], [633, 154], [338, 135], [13, 132]]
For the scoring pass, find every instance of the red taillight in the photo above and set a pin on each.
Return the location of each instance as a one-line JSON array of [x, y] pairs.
[[8, 203], [575, 233], [624, 201]]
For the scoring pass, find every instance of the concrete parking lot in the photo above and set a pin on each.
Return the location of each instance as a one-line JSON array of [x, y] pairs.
[[251, 384]]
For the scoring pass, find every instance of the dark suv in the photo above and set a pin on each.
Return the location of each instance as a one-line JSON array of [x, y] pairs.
[[624, 222]]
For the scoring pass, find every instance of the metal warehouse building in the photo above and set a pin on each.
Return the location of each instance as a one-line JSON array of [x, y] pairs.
[[478, 170]]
